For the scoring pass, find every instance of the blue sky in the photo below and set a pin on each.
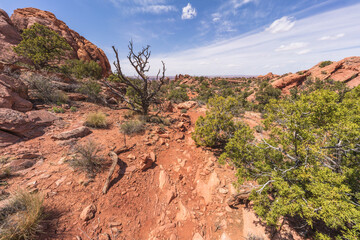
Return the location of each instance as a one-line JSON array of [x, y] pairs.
[[213, 37]]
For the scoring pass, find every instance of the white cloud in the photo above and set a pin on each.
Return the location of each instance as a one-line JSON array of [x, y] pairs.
[[188, 12], [283, 24], [291, 46], [333, 37]]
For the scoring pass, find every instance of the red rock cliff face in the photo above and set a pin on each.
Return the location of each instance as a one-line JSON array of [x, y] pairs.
[[9, 37], [83, 49]]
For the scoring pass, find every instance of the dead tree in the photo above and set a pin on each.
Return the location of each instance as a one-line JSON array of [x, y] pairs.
[[145, 89]]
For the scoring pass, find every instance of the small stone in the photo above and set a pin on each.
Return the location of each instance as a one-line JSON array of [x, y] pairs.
[[59, 181], [223, 190], [131, 157], [197, 236], [88, 212], [179, 136]]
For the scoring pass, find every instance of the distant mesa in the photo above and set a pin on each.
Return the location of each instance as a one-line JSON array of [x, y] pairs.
[[10, 29]]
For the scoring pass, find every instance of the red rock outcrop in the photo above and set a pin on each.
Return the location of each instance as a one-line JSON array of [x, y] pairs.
[[346, 70], [14, 94], [268, 76], [82, 48], [29, 125], [9, 37]]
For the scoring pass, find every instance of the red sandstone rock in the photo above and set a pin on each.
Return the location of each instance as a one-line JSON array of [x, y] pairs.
[[28, 125], [13, 94], [346, 70], [9, 37], [82, 48]]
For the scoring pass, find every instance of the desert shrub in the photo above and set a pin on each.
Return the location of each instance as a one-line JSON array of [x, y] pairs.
[[265, 93], [178, 95], [82, 69], [308, 168], [46, 91], [259, 128], [204, 95], [73, 109], [91, 89], [183, 110], [217, 127], [57, 110], [310, 85], [87, 158], [132, 127], [324, 72], [21, 218], [5, 172], [113, 78], [325, 63], [41, 45], [96, 120]]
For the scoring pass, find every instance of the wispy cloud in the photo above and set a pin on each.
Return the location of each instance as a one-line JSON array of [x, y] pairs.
[[254, 53], [157, 9], [304, 51], [291, 46], [188, 12], [145, 6], [333, 37], [283, 24], [239, 3]]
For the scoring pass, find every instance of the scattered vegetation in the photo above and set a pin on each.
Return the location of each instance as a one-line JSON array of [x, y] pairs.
[[73, 109], [42, 46], [178, 95], [325, 63], [218, 126], [96, 120], [265, 93], [91, 89], [57, 110], [21, 218], [82, 69], [132, 127], [46, 91], [308, 168], [86, 158]]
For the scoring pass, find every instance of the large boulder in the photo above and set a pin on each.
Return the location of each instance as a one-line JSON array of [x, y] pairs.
[[82, 48], [7, 139], [14, 94], [29, 125], [9, 37]]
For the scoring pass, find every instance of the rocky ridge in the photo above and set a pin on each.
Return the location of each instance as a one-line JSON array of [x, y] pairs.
[[10, 29], [346, 70]]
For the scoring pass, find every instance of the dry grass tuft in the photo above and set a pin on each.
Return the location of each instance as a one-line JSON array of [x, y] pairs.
[[96, 120], [22, 216], [132, 127], [86, 158]]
